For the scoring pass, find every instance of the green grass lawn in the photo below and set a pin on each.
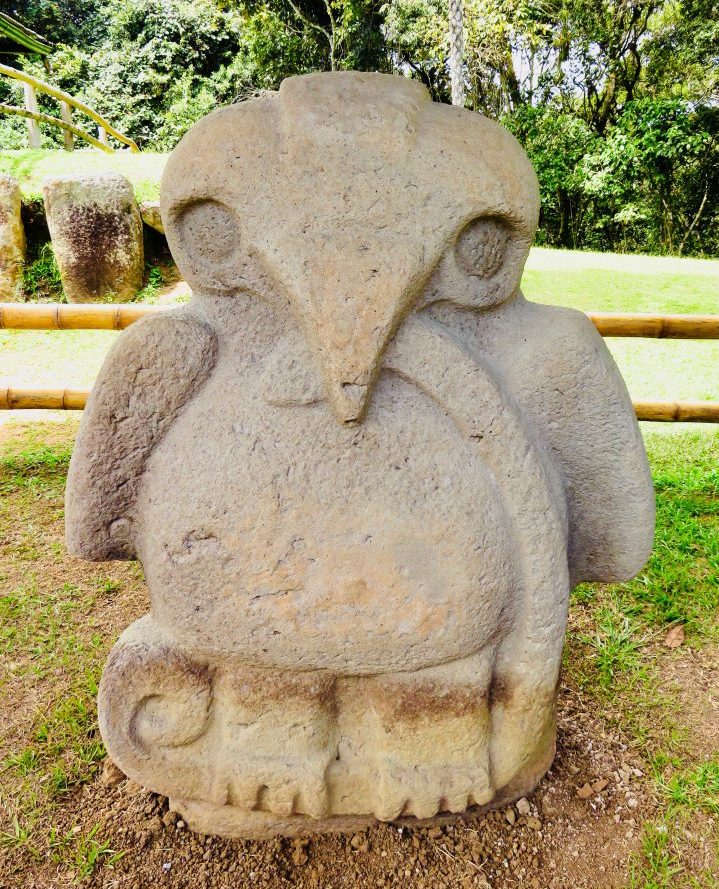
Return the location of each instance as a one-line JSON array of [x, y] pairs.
[[654, 369], [666, 370], [31, 166]]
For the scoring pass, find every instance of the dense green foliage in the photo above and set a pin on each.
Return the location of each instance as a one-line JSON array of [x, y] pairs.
[[616, 101]]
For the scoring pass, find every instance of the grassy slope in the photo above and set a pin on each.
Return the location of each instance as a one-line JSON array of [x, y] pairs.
[[31, 166]]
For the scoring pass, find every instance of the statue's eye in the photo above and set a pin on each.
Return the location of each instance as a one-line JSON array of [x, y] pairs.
[[481, 247], [209, 232]]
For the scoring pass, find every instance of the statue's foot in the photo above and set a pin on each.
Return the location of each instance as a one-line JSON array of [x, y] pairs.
[[249, 752], [427, 790], [279, 739], [432, 739], [284, 786], [221, 734]]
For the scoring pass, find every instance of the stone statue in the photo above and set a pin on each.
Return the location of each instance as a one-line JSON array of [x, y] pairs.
[[361, 472]]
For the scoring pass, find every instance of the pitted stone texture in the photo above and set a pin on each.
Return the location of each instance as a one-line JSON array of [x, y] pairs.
[[96, 233], [360, 470], [150, 212], [12, 240]]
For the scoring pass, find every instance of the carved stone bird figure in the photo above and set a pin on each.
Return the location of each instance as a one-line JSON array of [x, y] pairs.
[[360, 470]]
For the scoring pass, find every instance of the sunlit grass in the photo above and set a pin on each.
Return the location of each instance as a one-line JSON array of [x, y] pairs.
[[52, 642], [31, 166], [654, 370], [614, 652]]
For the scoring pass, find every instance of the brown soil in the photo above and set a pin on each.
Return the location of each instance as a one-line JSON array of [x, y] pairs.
[[564, 842], [693, 677]]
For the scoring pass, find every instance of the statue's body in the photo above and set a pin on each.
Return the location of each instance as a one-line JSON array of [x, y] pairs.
[[360, 470]]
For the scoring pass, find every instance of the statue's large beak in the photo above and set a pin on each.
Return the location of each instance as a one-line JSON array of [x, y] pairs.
[[349, 344], [350, 318]]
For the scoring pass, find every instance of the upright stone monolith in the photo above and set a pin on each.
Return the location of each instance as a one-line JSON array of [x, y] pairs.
[[12, 240], [96, 233], [361, 472]]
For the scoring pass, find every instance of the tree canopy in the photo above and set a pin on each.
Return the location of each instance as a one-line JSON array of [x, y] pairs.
[[616, 101]]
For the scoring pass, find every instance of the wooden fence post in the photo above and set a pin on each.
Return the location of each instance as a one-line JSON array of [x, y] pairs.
[[102, 135], [31, 105], [66, 115]]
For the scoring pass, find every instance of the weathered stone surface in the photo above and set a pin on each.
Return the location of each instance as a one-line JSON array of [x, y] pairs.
[[12, 240], [96, 233], [150, 212], [360, 470]]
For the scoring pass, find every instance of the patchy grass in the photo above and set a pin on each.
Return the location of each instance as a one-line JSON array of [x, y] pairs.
[[41, 277], [154, 279], [83, 851], [31, 166], [695, 788], [53, 641], [615, 653], [619, 628]]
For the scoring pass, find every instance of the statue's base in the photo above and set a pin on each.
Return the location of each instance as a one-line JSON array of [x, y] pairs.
[[249, 752], [237, 823]]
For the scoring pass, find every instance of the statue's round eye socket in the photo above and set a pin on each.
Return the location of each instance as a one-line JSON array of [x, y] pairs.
[[209, 232], [481, 247]]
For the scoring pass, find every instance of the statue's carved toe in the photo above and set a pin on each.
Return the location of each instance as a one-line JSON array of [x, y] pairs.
[[429, 789]]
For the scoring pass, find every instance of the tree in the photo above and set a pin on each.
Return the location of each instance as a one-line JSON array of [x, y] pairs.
[[657, 175], [557, 144], [456, 52]]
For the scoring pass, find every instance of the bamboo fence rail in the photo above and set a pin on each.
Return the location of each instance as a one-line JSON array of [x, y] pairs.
[[677, 411], [75, 399], [73, 316], [66, 126], [682, 327], [34, 83], [53, 316], [43, 399], [91, 316]]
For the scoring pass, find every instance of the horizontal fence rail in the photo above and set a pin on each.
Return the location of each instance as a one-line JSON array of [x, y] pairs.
[[677, 327], [91, 316], [53, 316], [73, 316], [43, 399], [75, 400], [677, 411]]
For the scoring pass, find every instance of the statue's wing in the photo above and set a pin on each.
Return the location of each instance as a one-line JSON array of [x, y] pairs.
[[153, 369], [565, 380]]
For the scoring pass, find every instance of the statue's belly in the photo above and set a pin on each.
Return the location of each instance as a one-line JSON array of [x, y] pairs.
[[287, 540]]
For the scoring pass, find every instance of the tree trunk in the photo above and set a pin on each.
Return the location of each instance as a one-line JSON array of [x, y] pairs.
[[456, 51]]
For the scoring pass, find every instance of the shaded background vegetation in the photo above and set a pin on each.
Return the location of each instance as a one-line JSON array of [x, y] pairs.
[[616, 101]]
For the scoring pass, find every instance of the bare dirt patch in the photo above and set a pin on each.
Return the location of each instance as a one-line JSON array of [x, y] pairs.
[[692, 676]]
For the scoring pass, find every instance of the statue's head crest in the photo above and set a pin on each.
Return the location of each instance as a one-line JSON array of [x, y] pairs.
[[356, 199]]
